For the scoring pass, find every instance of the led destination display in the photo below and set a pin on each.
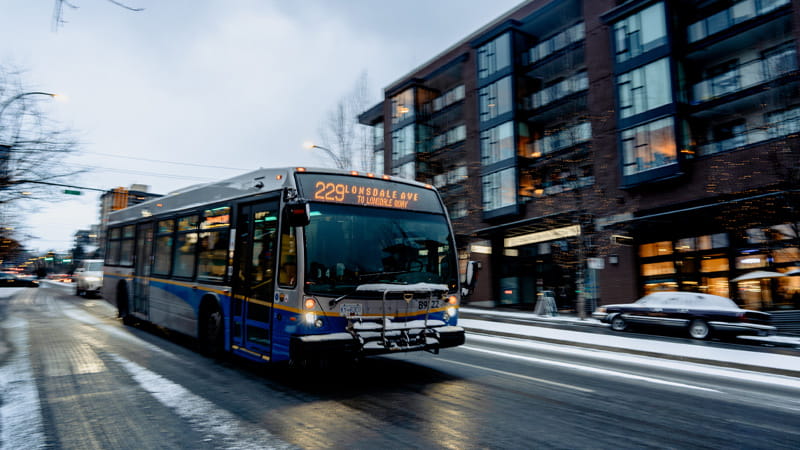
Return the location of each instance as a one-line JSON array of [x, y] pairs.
[[351, 190]]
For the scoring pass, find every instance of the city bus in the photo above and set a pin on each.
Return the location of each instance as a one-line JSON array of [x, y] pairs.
[[291, 264]]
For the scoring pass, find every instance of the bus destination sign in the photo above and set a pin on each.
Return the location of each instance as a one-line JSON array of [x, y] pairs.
[[360, 191]]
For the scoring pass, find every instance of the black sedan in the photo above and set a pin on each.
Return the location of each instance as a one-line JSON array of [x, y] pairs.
[[699, 314], [14, 280]]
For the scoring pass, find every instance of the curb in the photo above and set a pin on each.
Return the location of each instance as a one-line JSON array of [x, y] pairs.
[[550, 324]]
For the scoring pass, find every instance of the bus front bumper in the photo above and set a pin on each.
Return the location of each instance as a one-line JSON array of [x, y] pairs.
[[364, 343]]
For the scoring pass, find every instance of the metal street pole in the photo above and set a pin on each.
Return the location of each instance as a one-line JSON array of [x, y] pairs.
[[8, 102]]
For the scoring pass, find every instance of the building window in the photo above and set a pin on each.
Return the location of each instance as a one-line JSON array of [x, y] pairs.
[[451, 177], [448, 98], [560, 138], [655, 249], [407, 170], [449, 137], [644, 88], [403, 142], [403, 106], [659, 268], [494, 56], [649, 146], [495, 99], [497, 144], [379, 161], [499, 190], [640, 33], [575, 33], [458, 209], [377, 135], [783, 123]]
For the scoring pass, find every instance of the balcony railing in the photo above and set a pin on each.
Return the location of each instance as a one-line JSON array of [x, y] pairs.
[[745, 76], [738, 13], [571, 35], [789, 126], [563, 139], [578, 83]]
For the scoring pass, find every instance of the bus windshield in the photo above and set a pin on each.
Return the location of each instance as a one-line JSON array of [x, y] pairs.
[[347, 246]]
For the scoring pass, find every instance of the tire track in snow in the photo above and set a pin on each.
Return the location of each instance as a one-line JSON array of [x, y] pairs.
[[202, 414]]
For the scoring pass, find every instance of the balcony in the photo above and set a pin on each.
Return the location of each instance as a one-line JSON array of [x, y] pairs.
[[577, 83], [562, 139], [789, 125], [736, 14], [745, 76], [544, 49]]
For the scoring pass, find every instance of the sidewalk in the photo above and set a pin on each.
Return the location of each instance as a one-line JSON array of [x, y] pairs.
[[566, 330]]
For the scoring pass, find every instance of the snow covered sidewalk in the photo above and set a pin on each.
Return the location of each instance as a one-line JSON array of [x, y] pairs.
[[691, 351]]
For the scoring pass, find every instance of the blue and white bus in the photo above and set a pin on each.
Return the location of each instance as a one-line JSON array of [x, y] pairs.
[[291, 264]]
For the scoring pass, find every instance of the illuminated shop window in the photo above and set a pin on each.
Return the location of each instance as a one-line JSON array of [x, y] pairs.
[[751, 261], [660, 268], [655, 249], [714, 265]]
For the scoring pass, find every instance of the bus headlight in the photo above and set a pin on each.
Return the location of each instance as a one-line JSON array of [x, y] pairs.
[[310, 318], [451, 311]]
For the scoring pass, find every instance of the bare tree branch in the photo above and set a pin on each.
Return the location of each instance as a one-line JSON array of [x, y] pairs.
[[32, 145], [345, 141], [58, 10]]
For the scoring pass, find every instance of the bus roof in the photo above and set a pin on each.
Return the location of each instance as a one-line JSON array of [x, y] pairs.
[[251, 183]]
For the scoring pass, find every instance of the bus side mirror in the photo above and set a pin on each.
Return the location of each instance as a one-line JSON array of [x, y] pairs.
[[471, 277], [298, 213]]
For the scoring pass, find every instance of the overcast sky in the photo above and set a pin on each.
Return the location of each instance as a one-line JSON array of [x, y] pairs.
[[237, 83]]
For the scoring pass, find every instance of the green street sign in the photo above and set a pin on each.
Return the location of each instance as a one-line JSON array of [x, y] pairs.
[[72, 192]]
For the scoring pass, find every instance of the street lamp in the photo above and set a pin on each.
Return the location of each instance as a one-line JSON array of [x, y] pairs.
[[19, 96], [340, 163]]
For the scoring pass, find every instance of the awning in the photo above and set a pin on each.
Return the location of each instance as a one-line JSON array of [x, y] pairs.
[[758, 275]]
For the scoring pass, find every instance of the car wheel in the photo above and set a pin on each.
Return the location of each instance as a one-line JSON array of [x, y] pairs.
[[699, 329], [618, 323]]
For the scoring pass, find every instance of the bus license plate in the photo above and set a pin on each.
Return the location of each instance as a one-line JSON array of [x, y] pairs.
[[351, 309]]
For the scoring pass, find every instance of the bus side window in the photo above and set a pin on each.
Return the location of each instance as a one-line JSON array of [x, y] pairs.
[[288, 258]]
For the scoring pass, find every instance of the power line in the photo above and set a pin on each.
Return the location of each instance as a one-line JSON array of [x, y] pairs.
[[139, 172], [165, 162]]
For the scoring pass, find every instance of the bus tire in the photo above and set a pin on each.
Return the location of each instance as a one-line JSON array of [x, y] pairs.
[[123, 308], [212, 330]]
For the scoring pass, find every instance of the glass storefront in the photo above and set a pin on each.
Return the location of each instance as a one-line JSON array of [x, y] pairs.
[[709, 263]]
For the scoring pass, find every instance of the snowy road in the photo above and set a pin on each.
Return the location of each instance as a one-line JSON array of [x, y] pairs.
[[72, 376]]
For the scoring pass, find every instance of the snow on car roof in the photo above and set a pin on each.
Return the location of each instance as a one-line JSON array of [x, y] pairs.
[[690, 298]]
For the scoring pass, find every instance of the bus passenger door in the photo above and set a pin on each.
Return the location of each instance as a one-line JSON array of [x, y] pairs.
[[254, 276], [141, 279]]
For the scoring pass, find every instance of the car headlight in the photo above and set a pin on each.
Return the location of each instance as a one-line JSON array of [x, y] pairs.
[[92, 279]]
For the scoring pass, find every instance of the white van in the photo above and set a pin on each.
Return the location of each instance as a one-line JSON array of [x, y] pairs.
[[88, 277]]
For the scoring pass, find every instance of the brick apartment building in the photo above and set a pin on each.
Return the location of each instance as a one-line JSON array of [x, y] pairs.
[[612, 148]]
